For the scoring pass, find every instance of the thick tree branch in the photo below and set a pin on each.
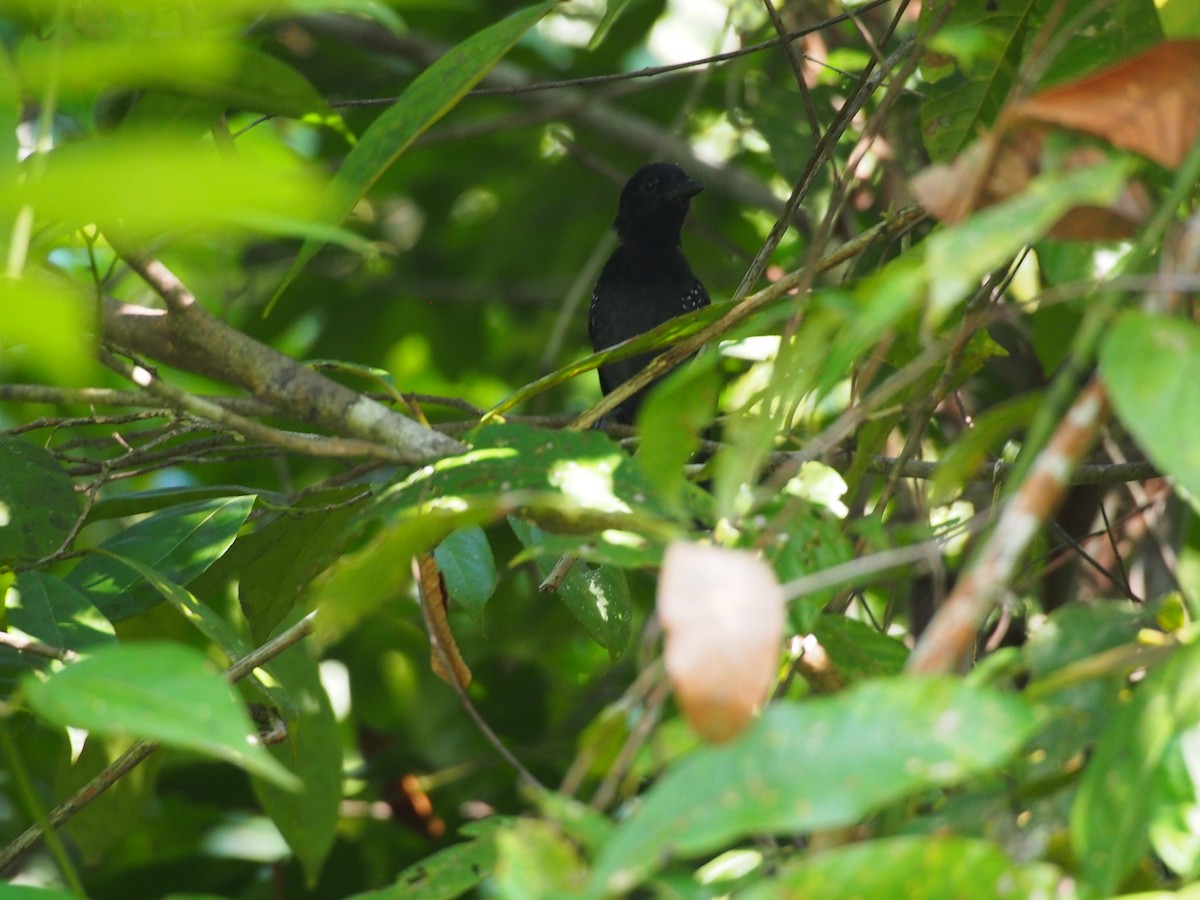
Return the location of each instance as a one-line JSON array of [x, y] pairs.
[[188, 337]]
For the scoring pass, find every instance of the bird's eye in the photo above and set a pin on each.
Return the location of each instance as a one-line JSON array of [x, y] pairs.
[[650, 185]]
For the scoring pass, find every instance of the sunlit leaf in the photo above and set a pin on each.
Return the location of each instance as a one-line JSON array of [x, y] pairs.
[[131, 182], [1123, 792], [159, 691], [47, 329], [930, 867], [179, 544], [1151, 367], [820, 764]]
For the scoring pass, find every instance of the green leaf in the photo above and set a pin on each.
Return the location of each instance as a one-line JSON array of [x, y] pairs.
[[977, 50], [194, 65], [567, 481], [38, 505], [932, 868], [1151, 366], [380, 572], [447, 873], [49, 609], [306, 818], [46, 328], [535, 861], [1124, 795], [139, 503], [859, 651], [130, 181], [206, 621], [1099, 36], [178, 544], [597, 596], [957, 257], [612, 12], [273, 565], [161, 692], [824, 763], [466, 562], [671, 422], [430, 96]]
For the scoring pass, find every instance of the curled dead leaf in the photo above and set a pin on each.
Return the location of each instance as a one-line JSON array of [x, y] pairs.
[[436, 602], [722, 612]]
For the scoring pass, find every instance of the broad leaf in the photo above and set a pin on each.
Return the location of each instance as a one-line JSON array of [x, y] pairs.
[[1151, 367], [38, 505], [824, 763], [466, 562], [158, 691], [178, 544], [1125, 793]]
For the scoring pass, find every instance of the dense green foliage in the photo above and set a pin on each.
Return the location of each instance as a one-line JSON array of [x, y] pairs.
[[215, 253]]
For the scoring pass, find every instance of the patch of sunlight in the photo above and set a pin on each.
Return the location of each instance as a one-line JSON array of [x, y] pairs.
[[589, 483]]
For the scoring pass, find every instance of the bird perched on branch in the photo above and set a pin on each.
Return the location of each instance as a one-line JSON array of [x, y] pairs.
[[647, 280]]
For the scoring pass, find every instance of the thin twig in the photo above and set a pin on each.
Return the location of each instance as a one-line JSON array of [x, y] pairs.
[[486, 730]]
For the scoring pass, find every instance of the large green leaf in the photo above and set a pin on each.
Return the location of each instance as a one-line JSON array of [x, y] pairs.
[[596, 595], [38, 505], [449, 872], [179, 544], [200, 66], [932, 868], [202, 616], [274, 564], [977, 48], [671, 423], [46, 328], [820, 764], [430, 96], [131, 181], [958, 256], [466, 562], [49, 609], [158, 691], [306, 818], [1151, 367], [1126, 791]]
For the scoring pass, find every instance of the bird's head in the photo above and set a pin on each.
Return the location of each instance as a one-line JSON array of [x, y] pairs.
[[654, 203]]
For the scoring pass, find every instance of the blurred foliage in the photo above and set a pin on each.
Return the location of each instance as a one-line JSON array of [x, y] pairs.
[[371, 186]]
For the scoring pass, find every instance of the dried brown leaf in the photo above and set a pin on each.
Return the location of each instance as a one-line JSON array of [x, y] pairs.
[[1149, 104], [723, 615], [436, 602]]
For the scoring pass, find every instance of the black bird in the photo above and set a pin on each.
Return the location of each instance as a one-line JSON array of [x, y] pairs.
[[647, 280]]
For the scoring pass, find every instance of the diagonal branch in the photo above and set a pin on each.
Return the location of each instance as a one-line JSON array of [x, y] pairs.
[[954, 629], [188, 337]]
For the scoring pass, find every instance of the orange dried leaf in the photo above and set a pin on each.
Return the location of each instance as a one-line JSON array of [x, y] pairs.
[[436, 603], [723, 615], [1149, 104]]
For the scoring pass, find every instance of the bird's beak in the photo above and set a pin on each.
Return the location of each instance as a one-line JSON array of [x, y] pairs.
[[684, 191]]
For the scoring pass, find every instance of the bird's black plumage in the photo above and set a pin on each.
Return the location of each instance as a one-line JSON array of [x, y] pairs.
[[647, 280]]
